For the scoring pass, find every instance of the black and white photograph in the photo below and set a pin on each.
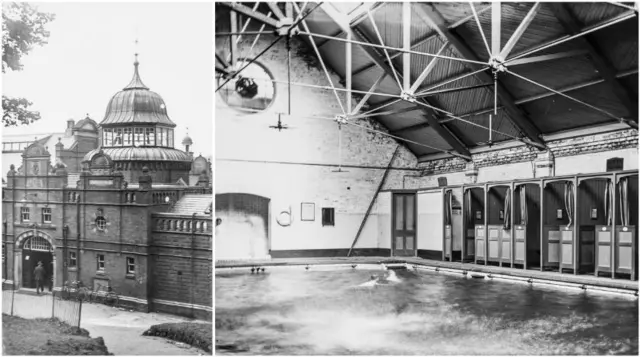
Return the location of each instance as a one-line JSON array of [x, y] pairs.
[[426, 178], [107, 176]]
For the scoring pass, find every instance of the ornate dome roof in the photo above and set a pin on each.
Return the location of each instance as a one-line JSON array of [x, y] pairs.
[[187, 140], [141, 154], [136, 104]]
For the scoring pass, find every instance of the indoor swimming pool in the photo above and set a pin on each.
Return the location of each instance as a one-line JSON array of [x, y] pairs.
[[294, 311]]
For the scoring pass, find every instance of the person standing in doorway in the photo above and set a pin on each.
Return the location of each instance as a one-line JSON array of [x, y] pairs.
[[40, 274]]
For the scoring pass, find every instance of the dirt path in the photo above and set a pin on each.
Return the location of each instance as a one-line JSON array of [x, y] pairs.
[[122, 330]]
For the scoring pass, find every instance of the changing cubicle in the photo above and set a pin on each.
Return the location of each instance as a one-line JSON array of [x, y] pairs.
[[593, 205], [498, 223], [526, 224], [557, 225], [452, 224], [620, 206], [473, 218]]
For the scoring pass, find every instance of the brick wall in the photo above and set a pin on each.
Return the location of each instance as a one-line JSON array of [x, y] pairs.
[[296, 165], [181, 265]]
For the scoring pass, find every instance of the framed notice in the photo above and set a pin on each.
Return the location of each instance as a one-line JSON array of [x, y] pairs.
[[308, 211]]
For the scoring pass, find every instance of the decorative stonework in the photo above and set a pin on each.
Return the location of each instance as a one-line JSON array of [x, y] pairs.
[[623, 139]]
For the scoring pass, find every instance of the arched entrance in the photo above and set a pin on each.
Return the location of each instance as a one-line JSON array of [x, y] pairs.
[[34, 247]]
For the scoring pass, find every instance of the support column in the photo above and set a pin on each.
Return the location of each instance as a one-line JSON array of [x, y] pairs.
[[544, 164], [471, 173]]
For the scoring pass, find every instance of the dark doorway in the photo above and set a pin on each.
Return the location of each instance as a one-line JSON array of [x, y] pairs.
[[403, 240], [30, 259], [243, 231]]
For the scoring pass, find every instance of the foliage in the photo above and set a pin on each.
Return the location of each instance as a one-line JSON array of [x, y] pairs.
[[195, 334], [15, 112], [23, 28]]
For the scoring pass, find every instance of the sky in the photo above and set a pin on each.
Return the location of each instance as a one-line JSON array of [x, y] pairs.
[[90, 57]]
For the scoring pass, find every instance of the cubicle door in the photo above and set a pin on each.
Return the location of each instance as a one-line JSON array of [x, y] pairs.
[[404, 225], [505, 246], [494, 242]]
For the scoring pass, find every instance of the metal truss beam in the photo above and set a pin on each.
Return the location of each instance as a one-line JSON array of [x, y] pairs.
[[387, 68], [247, 11], [429, 14]]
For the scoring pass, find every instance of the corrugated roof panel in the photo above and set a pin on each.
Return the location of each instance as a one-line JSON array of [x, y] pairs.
[[453, 12], [403, 120], [621, 51], [319, 22], [544, 27], [477, 134], [590, 13], [429, 137], [558, 113], [554, 74], [466, 101]]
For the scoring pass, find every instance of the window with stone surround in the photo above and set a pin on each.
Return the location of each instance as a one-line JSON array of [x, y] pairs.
[[100, 261], [131, 266], [73, 260], [25, 214], [101, 223], [46, 215]]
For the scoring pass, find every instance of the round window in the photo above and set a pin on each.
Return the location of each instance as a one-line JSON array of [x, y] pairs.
[[253, 90], [101, 223]]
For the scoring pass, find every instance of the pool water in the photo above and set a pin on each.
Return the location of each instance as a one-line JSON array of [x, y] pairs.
[[298, 312]]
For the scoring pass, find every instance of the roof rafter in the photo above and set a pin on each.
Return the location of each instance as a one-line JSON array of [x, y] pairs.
[[247, 11], [429, 14], [602, 64], [430, 115]]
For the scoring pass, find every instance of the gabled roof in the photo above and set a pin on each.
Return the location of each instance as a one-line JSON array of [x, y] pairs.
[[588, 51]]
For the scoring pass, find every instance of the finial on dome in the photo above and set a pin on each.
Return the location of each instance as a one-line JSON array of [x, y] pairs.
[[136, 82]]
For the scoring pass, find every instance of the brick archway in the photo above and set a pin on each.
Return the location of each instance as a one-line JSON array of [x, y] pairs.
[[18, 249]]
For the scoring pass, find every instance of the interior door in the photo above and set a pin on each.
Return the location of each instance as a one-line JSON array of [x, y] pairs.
[[403, 242]]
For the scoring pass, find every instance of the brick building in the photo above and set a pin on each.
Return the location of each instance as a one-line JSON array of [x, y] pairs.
[[115, 205]]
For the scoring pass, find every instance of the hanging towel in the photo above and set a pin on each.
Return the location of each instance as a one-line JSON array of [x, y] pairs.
[[523, 205], [608, 202], [568, 201], [623, 187], [507, 209]]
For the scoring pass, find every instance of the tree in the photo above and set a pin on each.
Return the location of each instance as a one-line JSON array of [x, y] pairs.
[[23, 28]]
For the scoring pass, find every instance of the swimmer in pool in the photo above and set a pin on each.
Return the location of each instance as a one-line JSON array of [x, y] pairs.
[[390, 278]]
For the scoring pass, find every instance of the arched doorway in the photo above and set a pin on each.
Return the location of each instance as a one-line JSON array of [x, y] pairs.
[[36, 249], [242, 226]]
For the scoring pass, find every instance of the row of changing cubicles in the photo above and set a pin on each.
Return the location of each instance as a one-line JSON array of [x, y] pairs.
[[584, 224]]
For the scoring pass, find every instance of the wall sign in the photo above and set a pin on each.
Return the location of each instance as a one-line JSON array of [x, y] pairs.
[[308, 211], [478, 214], [559, 213], [594, 213]]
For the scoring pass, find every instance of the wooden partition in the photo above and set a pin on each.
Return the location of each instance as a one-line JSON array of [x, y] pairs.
[[452, 224], [592, 195], [473, 218], [556, 219], [498, 223], [527, 224], [626, 246], [585, 223]]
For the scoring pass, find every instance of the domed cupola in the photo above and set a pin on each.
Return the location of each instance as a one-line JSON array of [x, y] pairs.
[[136, 104], [137, 132]]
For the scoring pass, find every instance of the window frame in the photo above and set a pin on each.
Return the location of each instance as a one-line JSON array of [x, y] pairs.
[[25, 211], [73, 260], [99, 227], [130, 262], [45, 214], [98, 262], [328, 216]]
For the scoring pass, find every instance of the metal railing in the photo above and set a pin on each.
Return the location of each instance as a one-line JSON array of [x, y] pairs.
[[48, 306]]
